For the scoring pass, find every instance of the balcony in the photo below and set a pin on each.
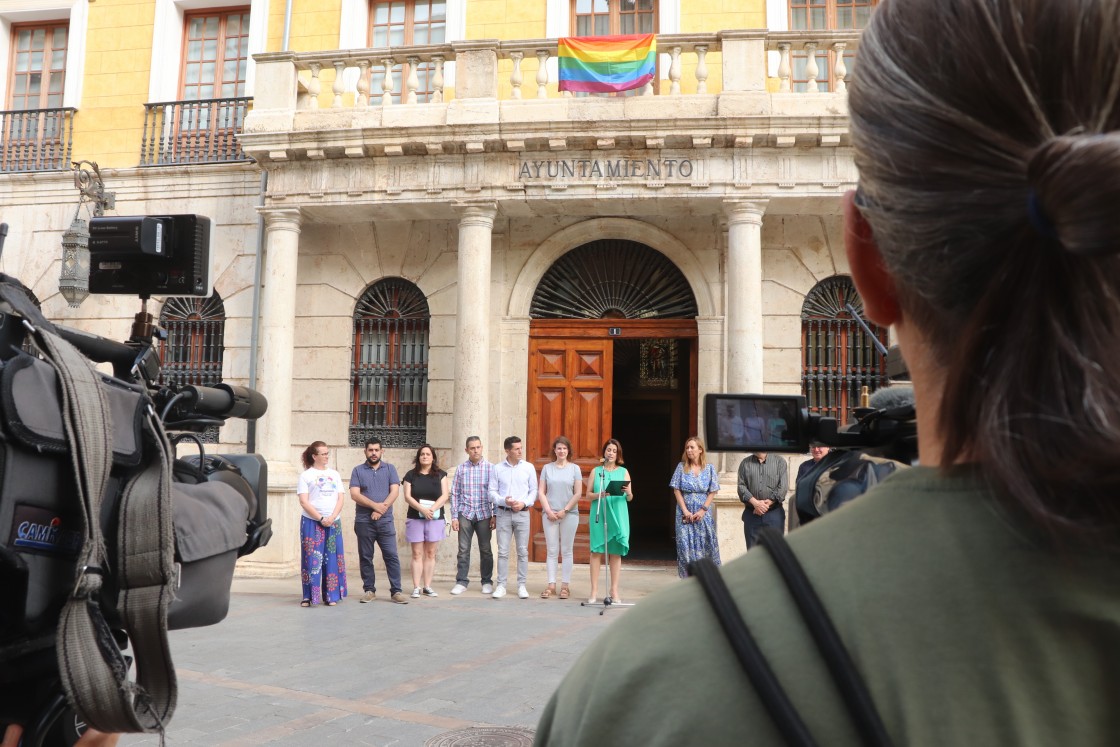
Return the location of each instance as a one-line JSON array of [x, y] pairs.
[[193, 132], [320, 104], [36, 140]]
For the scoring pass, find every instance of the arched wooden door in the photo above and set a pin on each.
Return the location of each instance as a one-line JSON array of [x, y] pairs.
[[570, 395]]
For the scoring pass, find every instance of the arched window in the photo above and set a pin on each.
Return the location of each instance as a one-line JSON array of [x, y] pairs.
[[389, 376], [613, 279], [837, 356], [193, 350]]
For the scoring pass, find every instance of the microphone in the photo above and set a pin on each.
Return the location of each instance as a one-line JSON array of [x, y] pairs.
[[226, 401], [890, 397]]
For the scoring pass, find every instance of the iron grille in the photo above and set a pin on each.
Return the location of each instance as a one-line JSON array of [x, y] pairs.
[[837, 356], [203, 131], [389, 379], [193, 351], [613, 279], [36, 139]]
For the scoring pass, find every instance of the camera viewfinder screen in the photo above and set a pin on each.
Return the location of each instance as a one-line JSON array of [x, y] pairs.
[[755, 422]]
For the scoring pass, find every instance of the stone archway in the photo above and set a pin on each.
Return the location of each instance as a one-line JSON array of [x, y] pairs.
[[566, 239]]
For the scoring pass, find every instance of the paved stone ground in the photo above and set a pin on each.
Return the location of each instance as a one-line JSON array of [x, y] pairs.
[[381, 673]]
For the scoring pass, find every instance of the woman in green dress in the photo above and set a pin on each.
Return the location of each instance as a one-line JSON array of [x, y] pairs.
[[609, 521]]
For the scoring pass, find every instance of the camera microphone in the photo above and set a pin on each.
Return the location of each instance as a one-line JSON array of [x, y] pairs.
[[226, 400], [890, 397]]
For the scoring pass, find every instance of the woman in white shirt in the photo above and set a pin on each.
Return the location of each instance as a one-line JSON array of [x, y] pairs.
[[323, 569]]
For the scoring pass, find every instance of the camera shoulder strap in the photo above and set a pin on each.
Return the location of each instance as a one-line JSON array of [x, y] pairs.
[[93, 670], [848, 680]]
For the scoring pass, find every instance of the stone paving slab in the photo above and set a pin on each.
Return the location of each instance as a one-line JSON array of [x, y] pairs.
[[380, 673]]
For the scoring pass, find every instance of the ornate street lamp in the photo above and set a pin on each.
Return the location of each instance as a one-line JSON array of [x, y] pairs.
[[73, 283]]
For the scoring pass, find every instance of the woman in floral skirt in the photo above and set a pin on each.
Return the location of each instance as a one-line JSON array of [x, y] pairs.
[[321, 496]]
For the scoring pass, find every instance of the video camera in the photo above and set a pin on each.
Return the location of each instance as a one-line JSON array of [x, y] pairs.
[[783, 423], [216, 507], [882, 436]]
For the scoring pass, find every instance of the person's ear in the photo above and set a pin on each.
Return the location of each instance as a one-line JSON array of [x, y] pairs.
[[875, 285]]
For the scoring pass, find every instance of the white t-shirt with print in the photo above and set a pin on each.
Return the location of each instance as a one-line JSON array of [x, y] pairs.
[[322, 487]]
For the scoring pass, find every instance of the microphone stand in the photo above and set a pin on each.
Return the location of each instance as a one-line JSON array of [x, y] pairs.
[[601, 513]]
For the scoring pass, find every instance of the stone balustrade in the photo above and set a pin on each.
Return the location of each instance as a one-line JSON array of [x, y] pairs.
[[811, 44], [296, 81]]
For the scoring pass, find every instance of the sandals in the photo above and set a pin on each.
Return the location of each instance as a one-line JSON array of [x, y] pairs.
[[548, 591], [564, 592], [305, 603]]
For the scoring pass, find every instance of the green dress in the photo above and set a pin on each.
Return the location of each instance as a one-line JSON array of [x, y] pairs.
[[617, 516]]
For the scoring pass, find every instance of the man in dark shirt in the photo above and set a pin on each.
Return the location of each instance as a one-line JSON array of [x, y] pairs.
[[374, 486], [818, 451], [763, 483]]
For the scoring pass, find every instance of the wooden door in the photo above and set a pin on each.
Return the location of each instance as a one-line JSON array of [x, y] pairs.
[[569, 395]]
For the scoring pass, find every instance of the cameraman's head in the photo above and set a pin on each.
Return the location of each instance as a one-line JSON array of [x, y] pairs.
[[984, 230]]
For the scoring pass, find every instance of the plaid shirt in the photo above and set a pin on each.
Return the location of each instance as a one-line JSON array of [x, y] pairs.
[[470, 491]]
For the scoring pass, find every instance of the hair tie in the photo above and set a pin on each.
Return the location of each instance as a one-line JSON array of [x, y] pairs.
[[1039, 221]]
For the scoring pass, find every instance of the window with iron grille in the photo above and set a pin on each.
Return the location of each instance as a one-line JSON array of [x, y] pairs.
[[837, 356], [401, 23], [389, 378], [192, 353], [825, 15]]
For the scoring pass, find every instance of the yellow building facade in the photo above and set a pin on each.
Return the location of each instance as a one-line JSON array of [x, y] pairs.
[[417, 236]]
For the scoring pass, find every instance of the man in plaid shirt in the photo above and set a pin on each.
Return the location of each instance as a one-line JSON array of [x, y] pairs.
[[472, 512]]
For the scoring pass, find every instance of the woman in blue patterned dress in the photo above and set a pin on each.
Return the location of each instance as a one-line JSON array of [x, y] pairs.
[[322, 565], [695, 485]]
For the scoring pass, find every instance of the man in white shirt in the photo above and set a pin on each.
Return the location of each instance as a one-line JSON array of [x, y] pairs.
[[514, 491]]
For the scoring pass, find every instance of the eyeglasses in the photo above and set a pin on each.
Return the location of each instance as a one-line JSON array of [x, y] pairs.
[[322, 453]]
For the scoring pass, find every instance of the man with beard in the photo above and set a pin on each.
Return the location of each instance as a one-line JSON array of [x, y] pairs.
[[374, 486]]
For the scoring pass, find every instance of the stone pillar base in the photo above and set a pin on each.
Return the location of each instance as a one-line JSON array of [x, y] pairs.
[[729, 520]]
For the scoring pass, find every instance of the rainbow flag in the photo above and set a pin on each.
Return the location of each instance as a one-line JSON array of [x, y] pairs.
[[606, 64]]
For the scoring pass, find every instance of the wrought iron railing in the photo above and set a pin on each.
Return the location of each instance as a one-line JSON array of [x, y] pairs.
[[181, 132], [36, 139], [390, 382]]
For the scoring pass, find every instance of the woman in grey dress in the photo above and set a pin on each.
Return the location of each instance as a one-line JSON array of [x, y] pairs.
[[559, 490]]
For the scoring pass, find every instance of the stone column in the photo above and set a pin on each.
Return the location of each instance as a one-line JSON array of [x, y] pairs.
[[471, 409], [274, 380], [744, 349], [744, 295]]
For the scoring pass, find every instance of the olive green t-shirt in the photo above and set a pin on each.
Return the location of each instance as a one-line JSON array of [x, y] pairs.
[[966, 630]]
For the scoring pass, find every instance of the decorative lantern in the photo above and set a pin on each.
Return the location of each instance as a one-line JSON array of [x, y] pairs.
[[74, 281]]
